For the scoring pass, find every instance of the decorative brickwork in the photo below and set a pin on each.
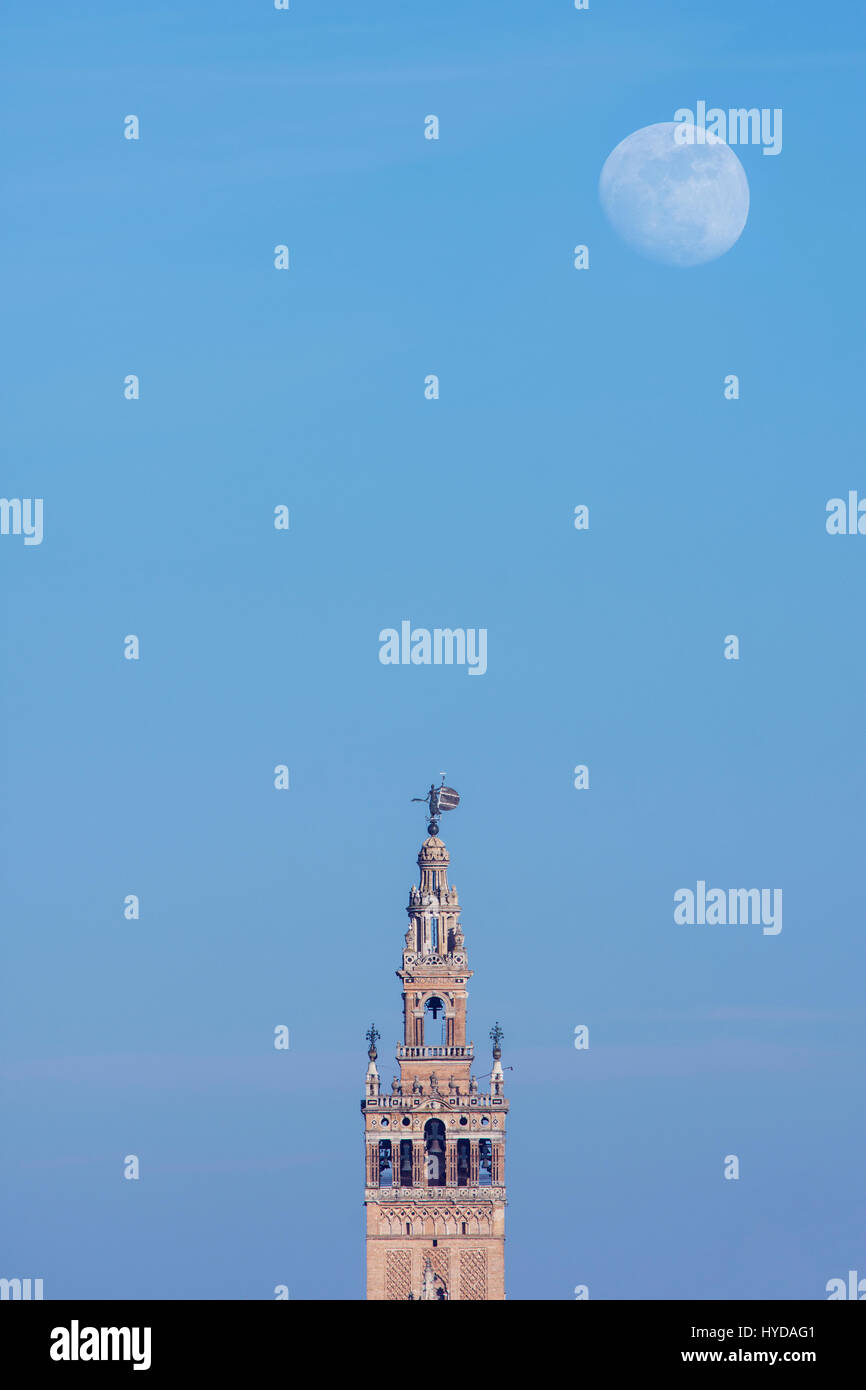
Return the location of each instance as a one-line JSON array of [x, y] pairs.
[[398, 1274], [440, 1259], [473, 1274]]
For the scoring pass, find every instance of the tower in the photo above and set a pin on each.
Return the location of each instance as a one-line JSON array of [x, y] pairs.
[[435, 1146]]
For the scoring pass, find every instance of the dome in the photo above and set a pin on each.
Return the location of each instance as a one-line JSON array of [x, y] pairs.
[[433, 851]]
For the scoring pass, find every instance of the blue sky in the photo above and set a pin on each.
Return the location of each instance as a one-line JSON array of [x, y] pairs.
[[558, 387]]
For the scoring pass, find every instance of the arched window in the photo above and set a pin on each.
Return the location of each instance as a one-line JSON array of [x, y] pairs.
[[463, 1164], [434, 935], [485, 1163], [405, 1162], [386, 1175], [434, 1021], [434, 1153]]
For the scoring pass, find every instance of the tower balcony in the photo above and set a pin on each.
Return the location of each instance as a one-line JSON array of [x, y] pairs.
[[440, 1195], [462, 1053], [413, 1100]]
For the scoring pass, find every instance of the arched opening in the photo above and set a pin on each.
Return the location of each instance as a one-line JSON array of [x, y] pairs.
[[485, 1163], [434, 1152], [405, 1162], [386, 1174], [434, 1021], [434, 935], [463, 1164]]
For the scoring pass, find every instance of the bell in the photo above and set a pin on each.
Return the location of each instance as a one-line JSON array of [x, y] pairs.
[[436, 1146]]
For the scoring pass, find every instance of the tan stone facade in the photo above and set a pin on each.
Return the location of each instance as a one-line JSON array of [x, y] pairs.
[[435, 1145]]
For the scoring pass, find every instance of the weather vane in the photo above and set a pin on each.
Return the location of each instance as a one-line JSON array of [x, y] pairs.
[[438, 799]]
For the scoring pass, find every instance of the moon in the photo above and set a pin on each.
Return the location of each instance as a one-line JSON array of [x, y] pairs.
[[682, 204]]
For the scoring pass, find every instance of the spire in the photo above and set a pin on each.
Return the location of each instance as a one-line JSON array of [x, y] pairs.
[[435, 976], [372, 1080], [434, 906], [497, 1078]]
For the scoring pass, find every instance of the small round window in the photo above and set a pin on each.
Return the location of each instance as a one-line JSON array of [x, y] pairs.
[[384, 1122], [484, 1120]]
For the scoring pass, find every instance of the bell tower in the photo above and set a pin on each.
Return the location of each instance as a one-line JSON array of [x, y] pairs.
[[435, 1146]]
